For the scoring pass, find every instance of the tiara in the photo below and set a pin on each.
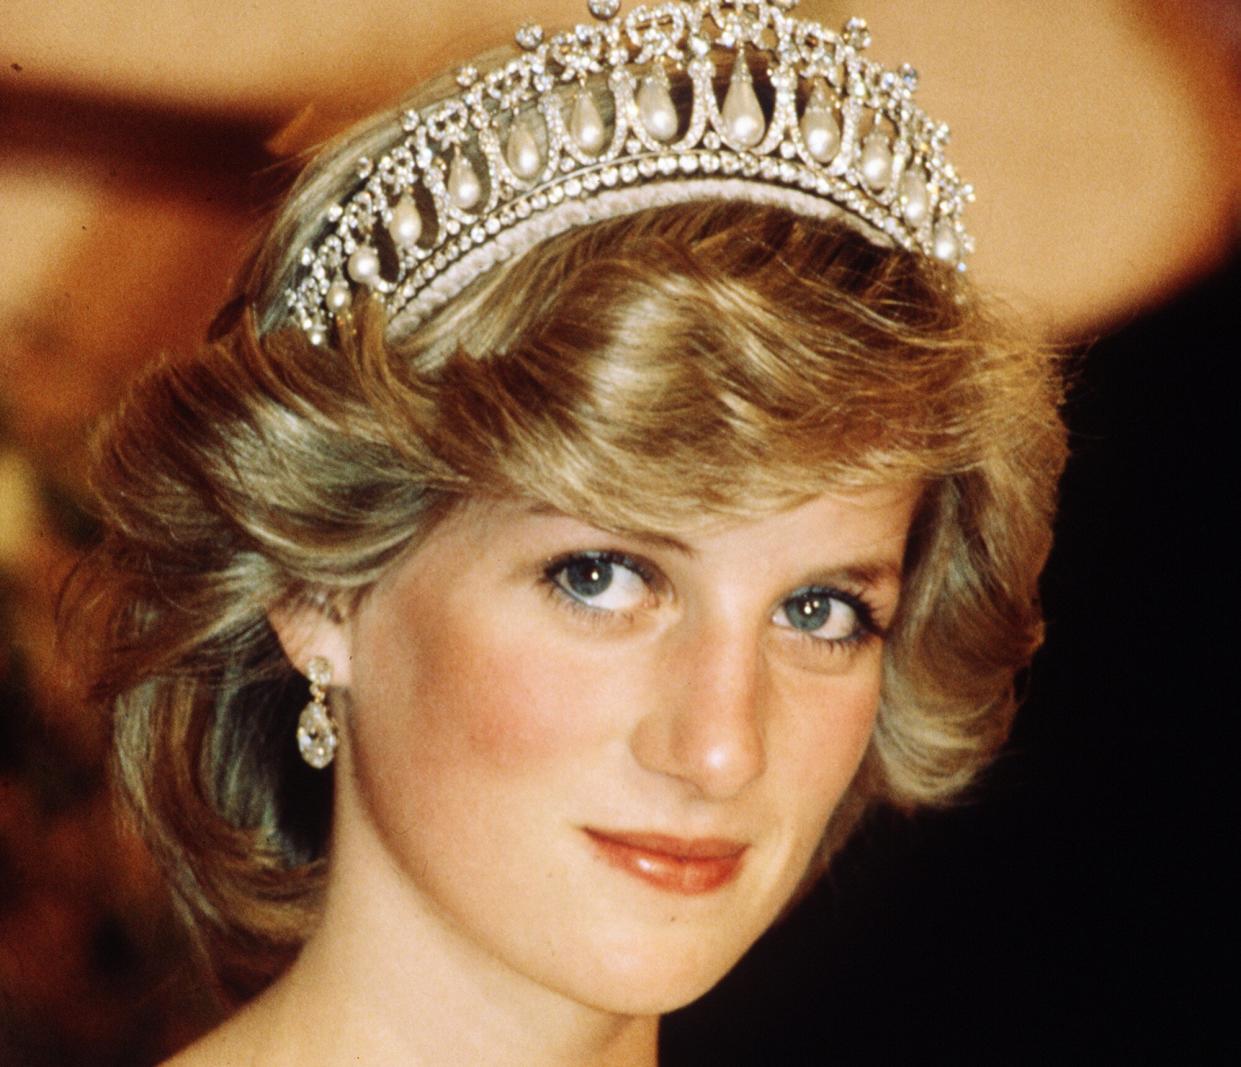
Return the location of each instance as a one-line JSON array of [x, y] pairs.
[[623, 114]]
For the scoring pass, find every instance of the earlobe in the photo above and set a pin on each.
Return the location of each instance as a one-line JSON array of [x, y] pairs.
[[314, 627]]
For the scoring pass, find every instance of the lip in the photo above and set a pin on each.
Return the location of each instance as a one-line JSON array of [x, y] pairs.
[[689, 866]]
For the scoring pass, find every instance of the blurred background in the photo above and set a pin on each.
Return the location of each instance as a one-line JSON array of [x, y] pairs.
[[1067, 912]]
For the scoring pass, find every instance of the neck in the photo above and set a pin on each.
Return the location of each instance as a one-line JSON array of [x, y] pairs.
[[386, 979]]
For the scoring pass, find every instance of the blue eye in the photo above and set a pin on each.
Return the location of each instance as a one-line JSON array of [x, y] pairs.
[[587, 578], [605, 581], [824, 615]]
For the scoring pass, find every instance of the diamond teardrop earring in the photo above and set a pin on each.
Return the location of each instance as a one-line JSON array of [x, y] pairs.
[[316, 732]]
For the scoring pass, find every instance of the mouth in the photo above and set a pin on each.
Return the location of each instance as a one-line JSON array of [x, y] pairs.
[[689, 866]]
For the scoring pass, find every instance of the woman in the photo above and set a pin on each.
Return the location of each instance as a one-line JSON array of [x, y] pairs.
[[611, 445]]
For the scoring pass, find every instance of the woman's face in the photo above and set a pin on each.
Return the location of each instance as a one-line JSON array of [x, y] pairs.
[[601, 762]]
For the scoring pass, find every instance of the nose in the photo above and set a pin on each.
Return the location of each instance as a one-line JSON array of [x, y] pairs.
[[706, 726]]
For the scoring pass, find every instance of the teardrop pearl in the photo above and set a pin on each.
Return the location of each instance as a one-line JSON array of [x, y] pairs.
[[585, 123], [522, 151], [338, 295], [915, 200], [946, 247], [363, 265], [463, 185], [876, 162], [742, 114], [659, 116], [819, 129], [406, 225]]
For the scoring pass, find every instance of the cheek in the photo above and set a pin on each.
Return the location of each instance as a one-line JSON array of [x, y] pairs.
[[830, 730], [457, 696]]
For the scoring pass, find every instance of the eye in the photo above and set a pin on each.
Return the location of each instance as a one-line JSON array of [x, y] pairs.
[[825, 615], [604, 581]]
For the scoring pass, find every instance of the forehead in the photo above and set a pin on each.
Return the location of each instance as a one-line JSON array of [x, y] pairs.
[[872, 521]]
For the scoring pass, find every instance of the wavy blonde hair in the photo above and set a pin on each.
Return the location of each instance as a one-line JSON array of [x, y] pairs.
[[714, 358]]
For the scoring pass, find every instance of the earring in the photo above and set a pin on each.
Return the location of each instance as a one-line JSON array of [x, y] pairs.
[[316, 732]]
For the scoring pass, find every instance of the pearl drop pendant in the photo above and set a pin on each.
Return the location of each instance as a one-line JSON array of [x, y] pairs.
[[876, 161], [339, 296], [655, 106], [742, 113], [363, 265], [522, 152], [819, 130], [586, 123], [915, 199], [464, 188], [946, 247], [405, 227]]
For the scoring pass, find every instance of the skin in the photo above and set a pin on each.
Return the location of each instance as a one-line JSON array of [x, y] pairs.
[[495, 705]]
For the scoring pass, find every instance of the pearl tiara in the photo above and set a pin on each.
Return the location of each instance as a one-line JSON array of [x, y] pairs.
[[619, 115]]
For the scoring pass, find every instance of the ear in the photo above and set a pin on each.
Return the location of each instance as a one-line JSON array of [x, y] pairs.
[[309, 628]]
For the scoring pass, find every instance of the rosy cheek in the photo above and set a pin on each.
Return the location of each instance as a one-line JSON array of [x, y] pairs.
[[498, 702]]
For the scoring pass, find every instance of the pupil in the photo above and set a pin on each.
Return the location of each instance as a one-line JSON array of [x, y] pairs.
[[589, 577], [809, 612]]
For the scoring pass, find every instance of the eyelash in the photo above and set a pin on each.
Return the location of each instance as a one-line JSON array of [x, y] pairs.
[[867, 629], [598, 616]]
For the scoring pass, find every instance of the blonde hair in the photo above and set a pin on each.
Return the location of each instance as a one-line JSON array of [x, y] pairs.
[[712, 358]]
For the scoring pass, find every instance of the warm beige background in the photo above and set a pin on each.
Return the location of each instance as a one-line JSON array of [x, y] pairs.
[[1097, 131]]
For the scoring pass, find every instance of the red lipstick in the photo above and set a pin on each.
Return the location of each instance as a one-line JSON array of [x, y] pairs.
[[679, 865]]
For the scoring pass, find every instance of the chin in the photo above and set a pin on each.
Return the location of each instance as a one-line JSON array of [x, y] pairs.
[[655, 998], [648, 981]]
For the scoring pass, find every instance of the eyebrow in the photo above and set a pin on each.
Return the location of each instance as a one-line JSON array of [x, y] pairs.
[[870, 572], [646, 537], [863, 572]]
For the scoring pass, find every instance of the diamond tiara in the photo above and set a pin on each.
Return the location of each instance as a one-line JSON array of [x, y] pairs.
[[619, 115]]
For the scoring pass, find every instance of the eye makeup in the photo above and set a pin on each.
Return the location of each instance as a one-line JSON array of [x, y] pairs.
[[602, 584]]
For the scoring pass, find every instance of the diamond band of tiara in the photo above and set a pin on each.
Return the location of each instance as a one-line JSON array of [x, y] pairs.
[[623, 114]]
